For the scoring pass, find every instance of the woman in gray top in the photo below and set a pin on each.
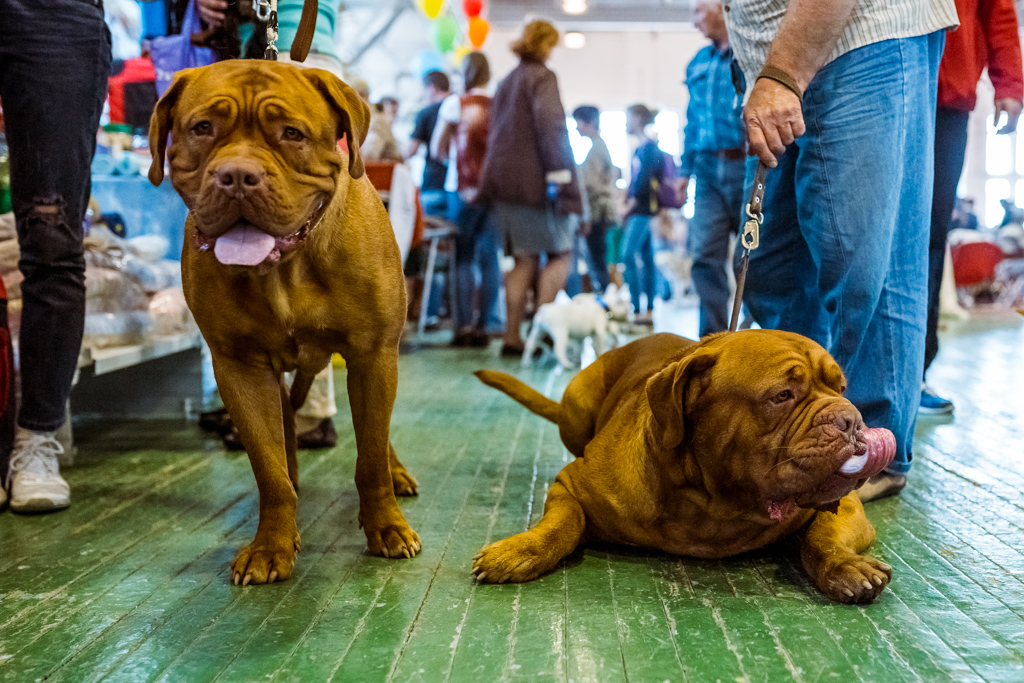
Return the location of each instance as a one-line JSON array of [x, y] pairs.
[[529, 178]]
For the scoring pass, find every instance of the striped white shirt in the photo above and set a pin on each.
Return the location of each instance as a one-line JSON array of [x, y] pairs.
[[753, 25]]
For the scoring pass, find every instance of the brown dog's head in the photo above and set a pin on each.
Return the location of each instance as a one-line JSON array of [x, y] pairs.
[[759, 414], [253, 150]]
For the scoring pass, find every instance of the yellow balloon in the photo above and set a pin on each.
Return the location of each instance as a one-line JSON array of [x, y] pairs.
[[460, 53], [431, 7]]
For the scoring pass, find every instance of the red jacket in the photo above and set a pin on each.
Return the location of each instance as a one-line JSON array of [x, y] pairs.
[[987, 37]]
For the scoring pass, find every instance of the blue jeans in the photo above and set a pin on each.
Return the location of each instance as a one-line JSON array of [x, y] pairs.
[[844, 246], [54, 64], [638, 255], [717, 204], [594, 248], [475, 250]]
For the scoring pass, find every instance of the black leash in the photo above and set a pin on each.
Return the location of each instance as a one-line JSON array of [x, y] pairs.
[[750, 239], [266, 11]]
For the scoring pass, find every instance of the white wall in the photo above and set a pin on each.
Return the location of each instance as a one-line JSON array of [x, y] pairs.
[[614, 70]]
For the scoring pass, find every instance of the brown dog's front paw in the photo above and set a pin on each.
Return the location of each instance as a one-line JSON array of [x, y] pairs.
[[403, 482], [515, 559], [854, 579], [264, 562], [392, 540]]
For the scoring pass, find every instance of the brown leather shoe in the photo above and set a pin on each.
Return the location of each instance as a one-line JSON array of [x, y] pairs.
[[321, 436], [882, 486]]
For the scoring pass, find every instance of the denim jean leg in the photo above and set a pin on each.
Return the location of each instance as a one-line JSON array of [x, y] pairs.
[[574, 280], [469, 218], [434, 202], [781, 289], [597, 245], [864, 185], [716, 205], [60, 48], [490, 274], [950, 148], [637, 253]]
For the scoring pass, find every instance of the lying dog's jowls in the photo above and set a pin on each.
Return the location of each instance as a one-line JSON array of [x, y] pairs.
[[288, 257], [708, 450]]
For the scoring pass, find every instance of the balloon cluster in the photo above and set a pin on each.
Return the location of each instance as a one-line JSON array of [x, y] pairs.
[[446, 31]]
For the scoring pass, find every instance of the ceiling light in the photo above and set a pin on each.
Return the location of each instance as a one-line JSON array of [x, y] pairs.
[[574, 6], [575, 40]]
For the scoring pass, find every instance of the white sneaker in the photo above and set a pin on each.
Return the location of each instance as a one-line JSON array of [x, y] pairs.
[[36, 484]]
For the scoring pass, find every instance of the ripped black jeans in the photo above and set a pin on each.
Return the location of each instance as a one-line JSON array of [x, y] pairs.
[[54, 65]]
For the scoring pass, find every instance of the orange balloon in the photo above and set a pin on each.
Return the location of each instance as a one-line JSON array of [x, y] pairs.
[[431, 7], [478, 29]]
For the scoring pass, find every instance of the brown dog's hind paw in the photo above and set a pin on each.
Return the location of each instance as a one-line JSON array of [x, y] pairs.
[[513, 560], [855, 579], [403, 482], [260, 562], [392, 540]]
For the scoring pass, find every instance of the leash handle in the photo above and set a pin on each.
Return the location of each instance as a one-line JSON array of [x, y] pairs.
[[750, 239], [304, 34]]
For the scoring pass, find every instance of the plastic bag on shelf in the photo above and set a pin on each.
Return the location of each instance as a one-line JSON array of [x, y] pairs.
[[170, 314], [116, 329], [150, 248], [113, 291]]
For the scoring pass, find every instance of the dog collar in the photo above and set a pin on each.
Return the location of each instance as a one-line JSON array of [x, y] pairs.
[[603, 305]]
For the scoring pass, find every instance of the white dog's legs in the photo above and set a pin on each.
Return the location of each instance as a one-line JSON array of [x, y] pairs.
[[531, 343], [561, 338]]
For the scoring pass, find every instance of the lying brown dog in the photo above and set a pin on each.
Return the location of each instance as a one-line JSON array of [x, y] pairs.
[[708, 450], [288, 257]]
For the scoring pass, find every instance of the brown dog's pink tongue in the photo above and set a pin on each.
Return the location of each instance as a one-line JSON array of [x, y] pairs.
[[881, 449], [243, 246]]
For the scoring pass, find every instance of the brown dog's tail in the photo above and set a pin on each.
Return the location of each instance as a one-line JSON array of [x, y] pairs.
[[534, 401]]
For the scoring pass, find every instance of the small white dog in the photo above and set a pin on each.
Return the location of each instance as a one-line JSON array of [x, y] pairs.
[[582, 316]]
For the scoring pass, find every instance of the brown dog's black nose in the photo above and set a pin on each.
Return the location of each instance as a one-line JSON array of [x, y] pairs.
[[238, 177], [844, 423]]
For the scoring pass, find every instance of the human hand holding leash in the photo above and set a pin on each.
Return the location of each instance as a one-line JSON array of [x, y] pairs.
[[774, 119]]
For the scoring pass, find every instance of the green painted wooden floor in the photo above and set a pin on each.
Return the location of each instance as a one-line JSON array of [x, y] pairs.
[[131, 583]]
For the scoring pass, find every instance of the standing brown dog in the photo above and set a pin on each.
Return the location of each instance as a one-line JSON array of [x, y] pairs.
[[709, 450], [288, 257]]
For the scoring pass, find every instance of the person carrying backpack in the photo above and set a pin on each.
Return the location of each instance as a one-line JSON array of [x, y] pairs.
[[651, 189], [461, 134]]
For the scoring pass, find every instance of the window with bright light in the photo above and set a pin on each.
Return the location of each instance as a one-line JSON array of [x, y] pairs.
[[1004, 164], [613, 131]]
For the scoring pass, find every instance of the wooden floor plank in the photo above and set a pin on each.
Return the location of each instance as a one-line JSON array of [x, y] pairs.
[[130, 583]]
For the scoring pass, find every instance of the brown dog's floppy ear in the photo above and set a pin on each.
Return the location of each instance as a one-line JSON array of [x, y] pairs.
[[160, 124], [353, 113], [667, 395]]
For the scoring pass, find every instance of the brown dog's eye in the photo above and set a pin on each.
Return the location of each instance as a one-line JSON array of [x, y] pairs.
[[293, 134], [202, 128], [783, 396]]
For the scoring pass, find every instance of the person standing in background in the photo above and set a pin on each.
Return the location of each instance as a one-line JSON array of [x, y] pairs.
[[54, 64], [713, 154], [987, 37], [529, 178], [432, 195], [461, 134], [641, 209], [599, 176]]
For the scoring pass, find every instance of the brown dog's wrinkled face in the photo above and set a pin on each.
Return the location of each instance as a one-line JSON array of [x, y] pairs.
[[788, 438], [253, 149]]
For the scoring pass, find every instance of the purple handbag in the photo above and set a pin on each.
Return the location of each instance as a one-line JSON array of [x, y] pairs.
[[171, 54]]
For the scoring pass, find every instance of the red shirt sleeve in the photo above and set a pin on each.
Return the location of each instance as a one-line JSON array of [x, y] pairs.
[[999, 25]]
